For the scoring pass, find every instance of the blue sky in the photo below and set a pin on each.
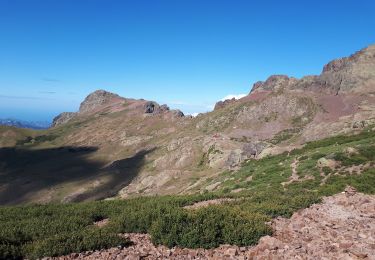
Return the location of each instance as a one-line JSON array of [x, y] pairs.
[[186, 53]]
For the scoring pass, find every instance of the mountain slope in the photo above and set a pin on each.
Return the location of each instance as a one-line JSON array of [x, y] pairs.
[[245, 202], [139, 147]]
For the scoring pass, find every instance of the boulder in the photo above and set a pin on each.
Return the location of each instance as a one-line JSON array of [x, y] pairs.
[[324, 162], [350, 151], [177, 113], [150, 107], [350, 191]]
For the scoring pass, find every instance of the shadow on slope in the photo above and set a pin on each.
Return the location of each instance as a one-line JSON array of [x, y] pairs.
[[55, 174]]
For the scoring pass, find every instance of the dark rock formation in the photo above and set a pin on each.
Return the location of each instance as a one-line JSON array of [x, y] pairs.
[[164, 108], [151, 107]]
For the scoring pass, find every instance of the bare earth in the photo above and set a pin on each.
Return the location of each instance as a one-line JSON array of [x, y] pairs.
[[341, 227], [207, 203]]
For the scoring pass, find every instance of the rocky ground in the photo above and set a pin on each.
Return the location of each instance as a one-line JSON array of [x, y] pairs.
[[341, 227]]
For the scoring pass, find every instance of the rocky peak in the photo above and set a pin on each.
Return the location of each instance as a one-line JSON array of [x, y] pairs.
[[63, 118], [273, 83], [221, 104], [355, 73], [336, 65], [364, 55], [96, 99]]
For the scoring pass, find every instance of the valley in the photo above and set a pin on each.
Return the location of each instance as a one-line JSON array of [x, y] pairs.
[[120, 172]]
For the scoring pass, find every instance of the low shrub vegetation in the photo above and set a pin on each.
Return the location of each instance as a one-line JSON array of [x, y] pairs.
[[35, 231]]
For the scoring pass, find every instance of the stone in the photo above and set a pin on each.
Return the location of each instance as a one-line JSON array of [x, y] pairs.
[[350, 151], [150, 107], [63, 118], [350, 191], [324, 162]]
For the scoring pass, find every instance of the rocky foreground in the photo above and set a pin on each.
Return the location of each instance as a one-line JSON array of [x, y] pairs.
[[341, 227]]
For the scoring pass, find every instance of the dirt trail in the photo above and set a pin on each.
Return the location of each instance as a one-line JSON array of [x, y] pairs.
[[294, 177], [206, 203], [341, 227]]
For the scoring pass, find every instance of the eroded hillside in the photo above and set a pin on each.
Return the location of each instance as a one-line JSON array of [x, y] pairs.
[[116, 146]]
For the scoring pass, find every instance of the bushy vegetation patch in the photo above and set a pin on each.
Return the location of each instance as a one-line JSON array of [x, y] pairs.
[[193, 229], [284, 135], [36, 231], [36, 140]]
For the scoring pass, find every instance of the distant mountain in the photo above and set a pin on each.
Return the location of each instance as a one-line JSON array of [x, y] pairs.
[[24, 124]]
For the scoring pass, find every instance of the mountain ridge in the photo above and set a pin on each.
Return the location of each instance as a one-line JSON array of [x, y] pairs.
[[156, 151]]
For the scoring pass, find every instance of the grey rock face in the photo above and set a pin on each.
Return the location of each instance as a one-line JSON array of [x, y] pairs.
[[150, 107], [91, 102], [274, 83], [178, 113], [96, 99], [253, 149], [164, 108], [349, 74], [63, 118]]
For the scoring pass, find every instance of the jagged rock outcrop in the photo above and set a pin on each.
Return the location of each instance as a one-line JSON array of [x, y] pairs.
[[221, 104], [274, 83], [107, 102], [154, 108], [355, 73], [63, 118], [177, 113], [96, 99], [91, 103], [150, 107]]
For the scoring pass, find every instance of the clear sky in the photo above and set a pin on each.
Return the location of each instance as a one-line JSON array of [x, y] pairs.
[[186, 53]]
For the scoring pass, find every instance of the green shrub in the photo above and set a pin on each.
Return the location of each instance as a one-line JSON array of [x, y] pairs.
[[209, 227], [326, 170], [62, 244], [368, 152], [350, 160]]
